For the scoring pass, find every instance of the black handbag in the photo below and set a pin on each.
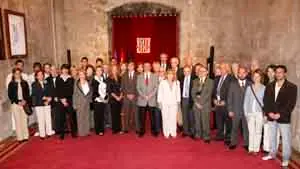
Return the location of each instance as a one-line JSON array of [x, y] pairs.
[[27, 109]]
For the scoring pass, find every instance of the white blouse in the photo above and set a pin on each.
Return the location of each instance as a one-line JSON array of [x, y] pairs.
[[85, 88], [168, 95]]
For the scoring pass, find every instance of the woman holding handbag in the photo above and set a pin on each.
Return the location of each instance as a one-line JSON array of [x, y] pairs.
[[18, 94], [253, 108], [41, 101]]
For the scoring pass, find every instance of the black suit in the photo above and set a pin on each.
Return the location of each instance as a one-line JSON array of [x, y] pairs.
[[53, 93], [186, 107], [65, 91], [285, 102], [222, 117]]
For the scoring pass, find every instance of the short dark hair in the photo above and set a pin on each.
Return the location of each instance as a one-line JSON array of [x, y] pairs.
[[19, 61], [282, 67], [271, 66], [84, 58], [99, 60], [65, 66], [37, 64], [14, 70]]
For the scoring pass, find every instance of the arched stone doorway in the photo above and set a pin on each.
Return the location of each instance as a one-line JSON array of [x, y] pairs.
[[143, 10]]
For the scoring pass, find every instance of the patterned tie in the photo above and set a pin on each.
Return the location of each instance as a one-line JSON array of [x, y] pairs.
[[147, 80]]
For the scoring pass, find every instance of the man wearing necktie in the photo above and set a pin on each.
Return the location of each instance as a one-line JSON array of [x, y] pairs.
[[164, 61], [201, 94], [219, 99], [128, 87], [187, 102], [235, 102], [147, 86]]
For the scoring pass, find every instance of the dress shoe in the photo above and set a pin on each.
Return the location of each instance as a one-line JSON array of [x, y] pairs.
[[207, 141], [227, 143], [155, 134], [219, 139], [232, 147], [246, 147], [141, 135], [61, 137]]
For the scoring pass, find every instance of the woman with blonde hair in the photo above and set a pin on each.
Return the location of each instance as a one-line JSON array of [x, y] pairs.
[[82, 97], [168, 99], [115, 98]]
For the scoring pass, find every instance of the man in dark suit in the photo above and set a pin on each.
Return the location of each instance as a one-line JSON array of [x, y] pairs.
[[52, 81], [279, 102], [219, 99], [128, 86], [235, 102], [174, 62], [201, 94], [186, 84]]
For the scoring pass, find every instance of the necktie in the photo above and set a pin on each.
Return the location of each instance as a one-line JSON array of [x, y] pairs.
[[147, 80], [186, 87]]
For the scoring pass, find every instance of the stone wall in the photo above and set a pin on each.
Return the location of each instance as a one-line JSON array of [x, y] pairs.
[[40, 47]]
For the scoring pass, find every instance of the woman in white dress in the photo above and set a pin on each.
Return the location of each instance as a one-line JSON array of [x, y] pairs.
[[168, 98]]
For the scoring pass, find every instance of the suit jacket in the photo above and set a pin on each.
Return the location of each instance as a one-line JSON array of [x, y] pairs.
[[147, 90], [224, 88], [235, 98], [114, 86], [38, 92], [202, 95], [285, 103], [52, 88], [65, 88], [13, 92], [128, 85], [81, 101], [190, 90]]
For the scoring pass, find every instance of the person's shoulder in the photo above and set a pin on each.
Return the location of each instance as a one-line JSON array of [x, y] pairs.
[[291, 84]]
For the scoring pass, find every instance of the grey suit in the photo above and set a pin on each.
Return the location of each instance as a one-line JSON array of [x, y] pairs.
[[235, 104], [149, 89], [128, 86], [202, 95]]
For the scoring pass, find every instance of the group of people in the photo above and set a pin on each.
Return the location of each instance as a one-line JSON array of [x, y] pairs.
[[178, 99]]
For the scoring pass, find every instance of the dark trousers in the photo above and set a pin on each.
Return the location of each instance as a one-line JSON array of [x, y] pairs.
[[107, 116], [153, 119], [62, 119], [99, 110], [222, 120], [237, 120], [187, 116], [115, 109], [158, 118], [54, 116]]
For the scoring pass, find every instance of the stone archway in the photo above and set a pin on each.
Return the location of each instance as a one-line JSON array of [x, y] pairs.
[[137, 9]]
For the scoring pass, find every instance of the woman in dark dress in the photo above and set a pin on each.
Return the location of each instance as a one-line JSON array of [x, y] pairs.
[[115, 99]]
